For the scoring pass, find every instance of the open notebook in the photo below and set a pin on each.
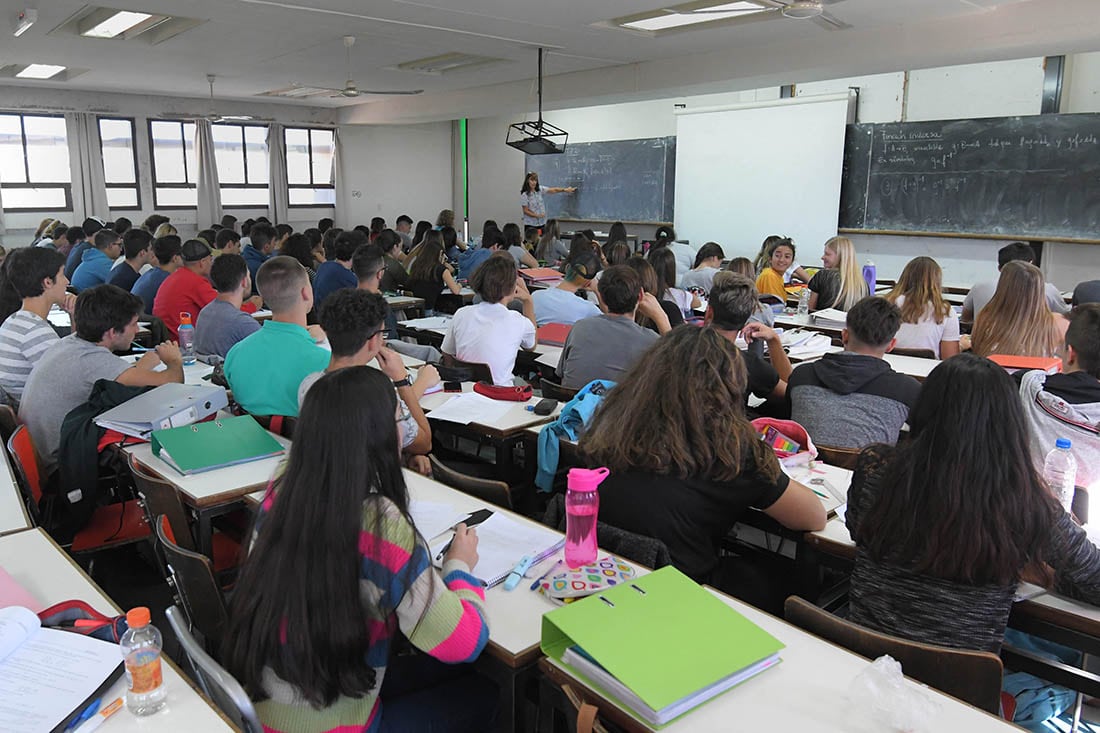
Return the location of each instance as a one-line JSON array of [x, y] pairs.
[[502, 542]]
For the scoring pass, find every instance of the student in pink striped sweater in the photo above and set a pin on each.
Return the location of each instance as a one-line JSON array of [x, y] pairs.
[[336, 571]]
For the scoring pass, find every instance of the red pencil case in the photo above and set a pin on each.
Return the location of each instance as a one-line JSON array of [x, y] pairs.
[[511, 394]]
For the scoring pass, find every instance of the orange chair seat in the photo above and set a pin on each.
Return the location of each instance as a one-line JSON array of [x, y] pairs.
[[227, 552], [104, 529]]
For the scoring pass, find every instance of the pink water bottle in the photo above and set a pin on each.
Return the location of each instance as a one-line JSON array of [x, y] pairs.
[[582, 504]]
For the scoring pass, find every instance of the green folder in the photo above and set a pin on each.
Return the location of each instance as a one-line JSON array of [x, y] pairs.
[[665, 639], [205, 446]]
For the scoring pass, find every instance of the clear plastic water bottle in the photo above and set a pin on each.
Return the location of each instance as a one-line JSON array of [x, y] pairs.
[[186, 332], [1060, 472], [804, 302], [141, 645], [582, 506], [870, 276]]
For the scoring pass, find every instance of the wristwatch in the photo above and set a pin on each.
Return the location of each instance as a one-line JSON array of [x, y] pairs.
[[406, 382]]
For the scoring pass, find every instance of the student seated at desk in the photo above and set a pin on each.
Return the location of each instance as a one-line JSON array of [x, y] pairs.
[[352, 322], [265, 370], [168, 252], [262, 241], [188, 289], [431, 273], [854, 398], [946, 523], [664, 266], [684, 254], [770, 280], [708, 261], [95, 263], [1018, 320], [105, 319], [314, 648], [137, 247], [488, 332], [840, 284], [396, 277], [227, 242], [605, 346], [982, 293], [562, 304], [763, 260], [927, 320], [743, 266], [1067, 405], [369, 264], [335, 272], [470, 260], [732, 301], [32, 280], [221, 323], [647, 276], [551, 249], [683, 472], [1086, 292], [513, 242]]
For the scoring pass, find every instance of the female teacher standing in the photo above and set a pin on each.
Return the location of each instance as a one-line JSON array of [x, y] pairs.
[[530, 197]]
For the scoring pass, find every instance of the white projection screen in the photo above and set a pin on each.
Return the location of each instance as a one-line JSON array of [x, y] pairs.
[[747, 171]]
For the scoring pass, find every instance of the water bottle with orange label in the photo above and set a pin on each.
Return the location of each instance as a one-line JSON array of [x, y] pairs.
[[582, 506], [141, 645]]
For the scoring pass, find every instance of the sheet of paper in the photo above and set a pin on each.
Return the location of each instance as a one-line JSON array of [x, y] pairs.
[[502, 542], [13, 594], [17, 624], [471, 407], [428, 323], [433, 518]]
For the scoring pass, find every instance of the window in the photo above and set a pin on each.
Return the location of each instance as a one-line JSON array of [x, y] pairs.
[[116, 138], [241, 155], [309, 154], [34, 163], [175, 170]]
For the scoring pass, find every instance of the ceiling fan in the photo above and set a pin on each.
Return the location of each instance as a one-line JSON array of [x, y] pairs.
[[794, 9], [351, 90], [213, 116]]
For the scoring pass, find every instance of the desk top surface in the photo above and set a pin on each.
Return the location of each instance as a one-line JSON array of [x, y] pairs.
[[13, 513], [47, 573]]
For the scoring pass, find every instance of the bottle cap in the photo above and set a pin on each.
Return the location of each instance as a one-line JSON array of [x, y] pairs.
[[585, 479], [137, 617], [185, 318], [1063, 443]]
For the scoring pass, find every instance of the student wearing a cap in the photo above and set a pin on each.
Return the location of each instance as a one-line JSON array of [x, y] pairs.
[[92, 225], [564, 304], [95, 263], [188, 289]]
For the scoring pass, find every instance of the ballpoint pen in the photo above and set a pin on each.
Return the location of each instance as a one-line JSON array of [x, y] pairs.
[[542, 577]]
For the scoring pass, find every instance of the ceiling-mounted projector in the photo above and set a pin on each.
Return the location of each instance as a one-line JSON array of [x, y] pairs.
[[537, 138]]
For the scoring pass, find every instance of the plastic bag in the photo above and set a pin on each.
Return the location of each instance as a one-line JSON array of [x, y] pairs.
[[883, 700]]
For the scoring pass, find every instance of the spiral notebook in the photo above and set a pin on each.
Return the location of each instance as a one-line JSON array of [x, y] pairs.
[[503, 542]]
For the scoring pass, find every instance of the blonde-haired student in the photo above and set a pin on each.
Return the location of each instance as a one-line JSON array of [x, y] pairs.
[[927, 320], [840, 285]]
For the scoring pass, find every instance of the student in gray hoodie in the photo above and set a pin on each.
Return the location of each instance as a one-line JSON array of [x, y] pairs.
[[853, 398]]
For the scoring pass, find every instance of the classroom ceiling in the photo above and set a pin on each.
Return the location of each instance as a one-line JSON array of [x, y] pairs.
[[254, 46]]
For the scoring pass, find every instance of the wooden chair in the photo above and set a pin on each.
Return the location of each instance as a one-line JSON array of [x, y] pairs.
[[919, 353], [494, 492], [555, 391], [971, 676], [481, 372], [557, 695], [191, 577], [279, 424], [843, 457], [215, 681], [8, 423], [113, 525], [159, 497]]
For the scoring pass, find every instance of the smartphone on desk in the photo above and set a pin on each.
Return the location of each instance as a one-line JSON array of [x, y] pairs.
[[452, 386]]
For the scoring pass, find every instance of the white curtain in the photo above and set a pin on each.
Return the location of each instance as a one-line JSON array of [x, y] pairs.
[[90, 185], [343, 205], [279, 196], [209, 189], [3, 231]]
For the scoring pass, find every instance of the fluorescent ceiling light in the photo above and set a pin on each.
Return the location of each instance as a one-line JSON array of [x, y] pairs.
[[116, 24], [39, 71], [667, 18], [445, 63]]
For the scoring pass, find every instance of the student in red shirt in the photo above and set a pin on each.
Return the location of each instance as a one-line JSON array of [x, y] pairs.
[[188, 289]]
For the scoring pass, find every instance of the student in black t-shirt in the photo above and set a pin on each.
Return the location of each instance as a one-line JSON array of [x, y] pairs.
[[733, 300], [682, 471], [430, 272]]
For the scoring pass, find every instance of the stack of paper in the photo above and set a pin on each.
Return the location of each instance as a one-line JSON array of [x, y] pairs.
[[428, 324], [471, 407], [831, 318]]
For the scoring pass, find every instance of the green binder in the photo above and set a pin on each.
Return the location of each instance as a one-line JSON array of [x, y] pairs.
[[661, 644], [205, 446]]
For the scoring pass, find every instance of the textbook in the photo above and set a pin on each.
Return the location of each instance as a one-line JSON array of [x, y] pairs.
[[209, 445], [1050, 365], [553, 334], [48, 676], [631, 642], [540, 274], [830, 318]]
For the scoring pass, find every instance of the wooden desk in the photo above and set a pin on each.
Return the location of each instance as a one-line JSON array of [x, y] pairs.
[[807, 691], [192, 373], [263, 315], [405, 302], [47, 573], [13, 511], [790, 320]]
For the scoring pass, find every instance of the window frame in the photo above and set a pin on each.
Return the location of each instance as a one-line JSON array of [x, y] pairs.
[[153, 166], [312, 185], [244, 155], [136, 185], [67, 187]]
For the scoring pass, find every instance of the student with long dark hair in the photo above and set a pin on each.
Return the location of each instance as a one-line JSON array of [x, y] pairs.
[[337, 569], [648, 278], [550, 248], [513, 243], [664, 264], [430, 273], [944, 532]]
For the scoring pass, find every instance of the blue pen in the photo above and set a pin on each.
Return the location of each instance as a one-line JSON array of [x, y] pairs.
[[89, 711]]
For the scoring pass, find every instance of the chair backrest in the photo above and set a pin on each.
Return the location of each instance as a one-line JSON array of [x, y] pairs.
[[555, 391], [8, 423], [843, 457], [25, 461], [215, 681], [919, 353], [279, 424], [160, 498], [481, 372], [494, 492], [192, 575], [971, 676]]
